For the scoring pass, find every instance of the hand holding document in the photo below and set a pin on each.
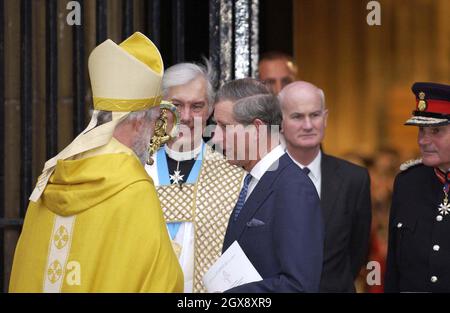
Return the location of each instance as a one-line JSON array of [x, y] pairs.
[[232, 269]]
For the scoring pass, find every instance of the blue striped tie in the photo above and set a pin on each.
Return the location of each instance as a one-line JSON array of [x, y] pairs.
[[242, 195]]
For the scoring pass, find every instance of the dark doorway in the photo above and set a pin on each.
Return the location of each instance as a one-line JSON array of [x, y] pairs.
[[276, 24]]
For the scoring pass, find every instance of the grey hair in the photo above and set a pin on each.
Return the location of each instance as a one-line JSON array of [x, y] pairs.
[[265, 107], [137, 115], [183, 73], [106, 116], [240, 88]]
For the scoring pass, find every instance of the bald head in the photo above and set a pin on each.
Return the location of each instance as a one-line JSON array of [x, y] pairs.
[[302, 92], [304, 119]]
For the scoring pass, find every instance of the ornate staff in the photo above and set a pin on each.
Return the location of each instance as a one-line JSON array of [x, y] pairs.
[[161, 135]]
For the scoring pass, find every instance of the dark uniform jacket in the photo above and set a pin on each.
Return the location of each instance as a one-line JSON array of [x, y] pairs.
[[346, 209], [419, 237]]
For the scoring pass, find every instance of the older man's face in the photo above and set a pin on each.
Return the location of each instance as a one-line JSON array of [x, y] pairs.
[[304, 120], [191, 101], [434, 144], [229, 136]]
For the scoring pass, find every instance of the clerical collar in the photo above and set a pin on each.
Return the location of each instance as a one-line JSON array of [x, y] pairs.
[[185, 155]]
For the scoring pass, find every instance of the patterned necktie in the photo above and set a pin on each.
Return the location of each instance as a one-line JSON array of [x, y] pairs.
[[242, 196], [306, 170]]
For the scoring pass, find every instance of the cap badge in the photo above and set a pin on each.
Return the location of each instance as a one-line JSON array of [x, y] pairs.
[[422, 102]]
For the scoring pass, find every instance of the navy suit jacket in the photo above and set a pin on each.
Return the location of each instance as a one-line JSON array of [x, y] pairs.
[[280, 230]]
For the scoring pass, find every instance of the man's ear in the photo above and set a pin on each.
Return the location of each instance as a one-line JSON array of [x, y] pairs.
[[325, 117], [258, 123], [138, 125]]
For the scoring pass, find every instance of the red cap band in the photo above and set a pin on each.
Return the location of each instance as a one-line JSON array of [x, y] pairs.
[[435, 106]]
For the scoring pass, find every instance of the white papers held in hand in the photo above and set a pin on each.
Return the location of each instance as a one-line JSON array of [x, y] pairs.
[[232, 269]]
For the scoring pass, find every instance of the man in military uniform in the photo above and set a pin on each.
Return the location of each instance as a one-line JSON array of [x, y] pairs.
[[419, 246]]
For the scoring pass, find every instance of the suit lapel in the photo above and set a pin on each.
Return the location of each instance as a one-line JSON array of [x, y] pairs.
[[254, 201], [262, 190], [330, 185]]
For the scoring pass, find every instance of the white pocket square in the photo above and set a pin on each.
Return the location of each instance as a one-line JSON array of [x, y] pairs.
[[255, 223]]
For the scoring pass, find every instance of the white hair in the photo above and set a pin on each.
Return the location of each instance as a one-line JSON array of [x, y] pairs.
[[183, 73], [106, 116], [137, 115]]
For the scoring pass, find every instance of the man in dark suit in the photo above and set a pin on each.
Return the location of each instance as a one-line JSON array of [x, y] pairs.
[[344, 188], [277, 219], [419, 227]]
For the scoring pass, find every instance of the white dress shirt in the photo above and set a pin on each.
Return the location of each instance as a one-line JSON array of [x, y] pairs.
[[263, 166], [315, 172]]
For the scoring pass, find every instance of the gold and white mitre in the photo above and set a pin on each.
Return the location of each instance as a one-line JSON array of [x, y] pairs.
[[207, 204], [124, 78]]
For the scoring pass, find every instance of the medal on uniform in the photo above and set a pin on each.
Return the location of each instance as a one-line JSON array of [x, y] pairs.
[[444, 207]]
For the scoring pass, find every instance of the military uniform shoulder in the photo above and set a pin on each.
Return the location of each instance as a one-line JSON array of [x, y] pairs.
[[410, 164]]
